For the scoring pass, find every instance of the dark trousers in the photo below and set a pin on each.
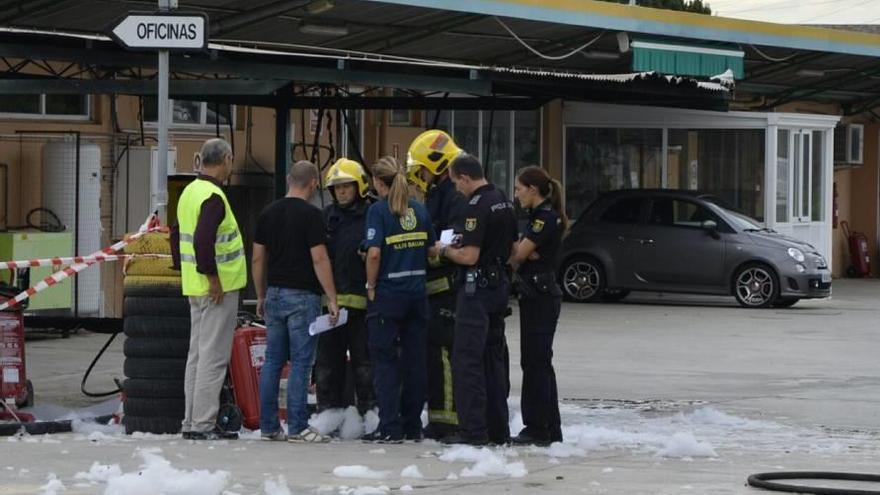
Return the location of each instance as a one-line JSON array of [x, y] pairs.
[[480, 364], [540, 401], [441, 329], [337, 349], [399, 377]]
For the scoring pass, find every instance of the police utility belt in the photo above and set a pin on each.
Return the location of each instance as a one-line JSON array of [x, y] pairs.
[[536, 284], [484, 277]]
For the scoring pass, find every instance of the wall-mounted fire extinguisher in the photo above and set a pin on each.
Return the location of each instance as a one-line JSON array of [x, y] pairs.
[[835, 208]]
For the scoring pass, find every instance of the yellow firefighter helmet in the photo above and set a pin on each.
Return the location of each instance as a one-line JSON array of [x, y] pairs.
[[413, 176], [433, 150], [345, 171]]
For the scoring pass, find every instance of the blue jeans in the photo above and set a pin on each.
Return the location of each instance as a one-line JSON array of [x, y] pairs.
[[289, 312], [400, 379]]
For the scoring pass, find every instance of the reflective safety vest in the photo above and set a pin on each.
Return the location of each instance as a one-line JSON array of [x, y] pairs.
[[228, 248]]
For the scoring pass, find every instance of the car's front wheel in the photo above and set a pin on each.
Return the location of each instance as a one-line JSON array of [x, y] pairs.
[[583, 279], [755, 285]]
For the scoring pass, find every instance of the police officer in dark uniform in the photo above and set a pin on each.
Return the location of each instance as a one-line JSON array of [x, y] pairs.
[[479, 357], [428, 169], [345, 219], [540, 298]]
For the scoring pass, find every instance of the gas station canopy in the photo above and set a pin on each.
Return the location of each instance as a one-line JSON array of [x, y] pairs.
[[513, 48]]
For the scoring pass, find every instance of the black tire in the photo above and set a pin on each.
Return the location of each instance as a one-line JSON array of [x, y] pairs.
[[582, 279], [146, 347], [615, 295], [153, 389], [755, 285], [785, 302], [151, 408], [168, 369], [152, 291], [156, 327], [177, 306], [160, 425]]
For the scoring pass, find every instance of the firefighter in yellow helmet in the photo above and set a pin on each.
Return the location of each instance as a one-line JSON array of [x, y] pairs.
[[428, 160], [345, 219]]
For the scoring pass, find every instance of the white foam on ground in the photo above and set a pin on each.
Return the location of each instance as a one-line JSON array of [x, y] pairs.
[[364, 490], [352, 426], [485, 462], [99, 473], [327, 421], [157, 475], [371, 421], [53, 486], [411, 471], [358, 471], [277, 486]]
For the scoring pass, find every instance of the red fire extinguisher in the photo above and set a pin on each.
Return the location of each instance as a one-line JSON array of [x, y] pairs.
[[248, 357]]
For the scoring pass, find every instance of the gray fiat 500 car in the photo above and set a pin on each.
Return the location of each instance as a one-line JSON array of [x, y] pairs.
[[687, 242]]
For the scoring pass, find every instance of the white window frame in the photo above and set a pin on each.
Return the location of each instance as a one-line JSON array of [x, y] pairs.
[[858, 129], [203, 112], [818, 233], [51, 116]]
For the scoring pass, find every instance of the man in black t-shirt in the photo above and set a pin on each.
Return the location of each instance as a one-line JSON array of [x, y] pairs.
[[290, 240]]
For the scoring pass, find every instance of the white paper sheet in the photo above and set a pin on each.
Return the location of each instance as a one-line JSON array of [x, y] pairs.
[[322, 324], [446, 237]]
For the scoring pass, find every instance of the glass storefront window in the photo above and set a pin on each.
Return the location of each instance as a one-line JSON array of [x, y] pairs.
[[728, 163], [466, 131], [496, 148], [601, 160], [782, 175], [526, 138]]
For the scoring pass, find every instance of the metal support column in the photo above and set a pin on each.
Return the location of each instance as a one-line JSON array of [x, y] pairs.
[[282, 147], [159, 175]]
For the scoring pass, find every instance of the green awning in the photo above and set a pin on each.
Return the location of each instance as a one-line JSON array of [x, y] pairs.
[[686, 60]]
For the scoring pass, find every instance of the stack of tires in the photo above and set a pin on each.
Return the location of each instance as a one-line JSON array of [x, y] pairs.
[[156, 325]]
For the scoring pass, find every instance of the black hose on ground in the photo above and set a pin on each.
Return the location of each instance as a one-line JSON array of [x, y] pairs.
[[82, 385], [767, 481]]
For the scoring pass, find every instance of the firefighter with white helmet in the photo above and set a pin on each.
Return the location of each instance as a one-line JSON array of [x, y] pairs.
[[345, 219], [428, 160]]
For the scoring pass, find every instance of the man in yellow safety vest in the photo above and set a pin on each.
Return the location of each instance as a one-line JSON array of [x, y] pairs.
[[213, 271]]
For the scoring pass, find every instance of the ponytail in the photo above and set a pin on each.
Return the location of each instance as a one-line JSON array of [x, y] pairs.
[[547, 187], [557, 201], [392, 173], [398, 196]]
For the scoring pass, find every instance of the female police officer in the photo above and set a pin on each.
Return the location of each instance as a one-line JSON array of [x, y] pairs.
[[399, 241], [539, 302]]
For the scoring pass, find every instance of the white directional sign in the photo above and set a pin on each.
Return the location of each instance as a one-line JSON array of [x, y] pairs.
[[171, 31]]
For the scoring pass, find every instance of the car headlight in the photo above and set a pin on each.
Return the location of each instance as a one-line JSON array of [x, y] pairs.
[[796, 254]]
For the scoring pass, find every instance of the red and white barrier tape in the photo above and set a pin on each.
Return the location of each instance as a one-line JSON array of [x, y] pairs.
[[76, 259], [150, 225]]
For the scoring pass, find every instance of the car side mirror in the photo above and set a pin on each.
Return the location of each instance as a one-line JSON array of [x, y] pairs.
[[711, 227]]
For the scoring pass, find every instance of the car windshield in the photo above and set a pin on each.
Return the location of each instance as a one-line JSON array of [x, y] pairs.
[[740, 220]]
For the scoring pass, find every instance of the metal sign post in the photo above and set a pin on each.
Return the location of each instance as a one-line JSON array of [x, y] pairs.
[[159, 176], [162, 31]]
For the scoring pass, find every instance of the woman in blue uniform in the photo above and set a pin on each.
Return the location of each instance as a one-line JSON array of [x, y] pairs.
[[399, 240], [539, 302]]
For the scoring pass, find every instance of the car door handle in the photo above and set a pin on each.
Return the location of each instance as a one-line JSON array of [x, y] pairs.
[[645, 242]]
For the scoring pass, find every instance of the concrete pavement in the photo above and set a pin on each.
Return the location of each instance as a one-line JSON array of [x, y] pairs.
[[661, 394]]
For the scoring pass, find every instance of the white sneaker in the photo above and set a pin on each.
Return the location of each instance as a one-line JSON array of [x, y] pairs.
[[309, 435]]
